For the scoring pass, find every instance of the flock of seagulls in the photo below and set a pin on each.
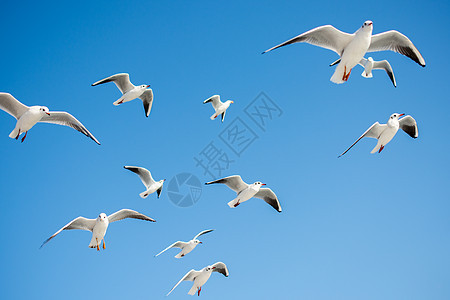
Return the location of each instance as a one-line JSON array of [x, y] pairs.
[[351, 49]]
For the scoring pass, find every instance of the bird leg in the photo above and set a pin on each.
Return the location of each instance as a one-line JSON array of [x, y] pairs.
[[23, 139], [17, 136], [104, 246], [98, 249], [381, 149], [345, 71], [346, 76], [237, 203], [199, 290]]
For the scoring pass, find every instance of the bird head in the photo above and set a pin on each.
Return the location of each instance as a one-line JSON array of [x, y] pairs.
[[197, 242], [102, 217], [395, 116], [144, 86], [368, 25], [45, 110], [259, 184]]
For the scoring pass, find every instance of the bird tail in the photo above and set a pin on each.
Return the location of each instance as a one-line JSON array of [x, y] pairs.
[[377, 147], [14, 133], [338, 74], [119, 101], [233, 202], [144, 194], [179, 255], [364, 74], [213, 116], [193, 290]]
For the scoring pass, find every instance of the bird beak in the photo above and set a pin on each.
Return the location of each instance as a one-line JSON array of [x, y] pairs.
[[200, 242], [164, 180], [213, 268], [232, 101], [148, 85], [370, 24], [263, 184], [401, 115], [48, 113]]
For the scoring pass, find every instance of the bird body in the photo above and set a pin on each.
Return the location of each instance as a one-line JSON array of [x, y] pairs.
[[99, 230], [148, 181], [132, 94], [219, 106], [186, 247], [246, 194], [28, 120]]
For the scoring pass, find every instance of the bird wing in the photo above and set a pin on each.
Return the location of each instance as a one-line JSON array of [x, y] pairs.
[[122, 81], [215, 101], [178, 244], [190, 276], [269, 196], [202, 233], [221, 268], [147, 100], [12, 106], [363, 62], [66, 119], [374, 131], [78, 223], [409, 125], [397, 42], [385, 65], [128, 213], [335, 62], [326, 37], [144, 175], [234, 182]]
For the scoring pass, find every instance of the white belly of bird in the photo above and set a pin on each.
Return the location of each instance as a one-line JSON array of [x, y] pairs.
[[98, 234], [199, 282], [386, 136], [130, 95], [355, 51], [28, 120], [150, 190]]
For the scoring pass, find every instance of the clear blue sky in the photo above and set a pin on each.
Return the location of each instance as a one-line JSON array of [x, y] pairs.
[[359, 227]]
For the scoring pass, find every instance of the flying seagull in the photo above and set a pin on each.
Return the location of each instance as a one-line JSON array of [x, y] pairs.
[[246, 191], [186, 247], [219, 106], [385, 132], [352, 47], [147, 179], [129, 91], [370, 64], [201, 277], [28, 116], [98, 226]]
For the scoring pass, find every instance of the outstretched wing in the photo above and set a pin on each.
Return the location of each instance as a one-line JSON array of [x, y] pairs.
[[221, 268], [12, 106], [234, 182], [178, 244], [147, 100], [374, 131], [385, 65], [409, 125], [128, 213], [202, 233], [215, 100], [397, 42], [78, 223], [66, 119], [190, 276], [122, 81], [144, 175], [326, 37], [269, 196]]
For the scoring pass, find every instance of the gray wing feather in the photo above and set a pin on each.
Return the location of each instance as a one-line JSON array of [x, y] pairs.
[[12, 106], [215, 101], [178, 244], [374, 131], [202, 233], [78, 223], [66, 119], [397, 42], [269, 196], [326, 37], [409, 125], [234, 182], [221, 268], [128, 213], [385, 65], [147, 100], [122, 81], [144, 175]]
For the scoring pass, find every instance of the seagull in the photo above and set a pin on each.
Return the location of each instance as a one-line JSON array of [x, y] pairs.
[[201, 277], [129, 91], [246, 191], [219, 106], [28, 116], [98, 226], [186, 247], [147, 179], [352, 47], [385, 132], [370, 64]]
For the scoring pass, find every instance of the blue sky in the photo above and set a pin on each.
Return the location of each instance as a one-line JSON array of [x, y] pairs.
[[359, 227]]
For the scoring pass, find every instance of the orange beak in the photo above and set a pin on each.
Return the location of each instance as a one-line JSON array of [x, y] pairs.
[[263, 184], [48, 114], [401, 115]]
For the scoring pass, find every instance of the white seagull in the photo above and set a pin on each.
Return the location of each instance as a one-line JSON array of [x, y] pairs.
[[370, 64], [28, 116], [147, 179], [385, 132], [201, 277], [129, 91], [186, 247], [246, 191], [352, 47], [98, 226], [219, 106]]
